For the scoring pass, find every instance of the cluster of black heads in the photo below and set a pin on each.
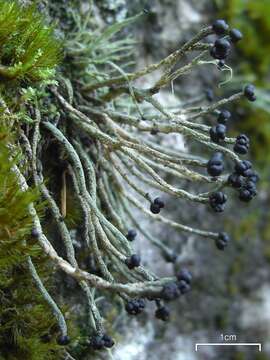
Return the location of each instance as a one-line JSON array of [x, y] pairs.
[[218, 132], [173, 290], [96, 342], [244, 179], [100, 342], [222, 46], [156, 205], [170, 291], [135, 306]]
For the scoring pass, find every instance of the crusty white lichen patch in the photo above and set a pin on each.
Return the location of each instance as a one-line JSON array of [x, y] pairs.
[[187, 13], [133, 347], [141, 346]]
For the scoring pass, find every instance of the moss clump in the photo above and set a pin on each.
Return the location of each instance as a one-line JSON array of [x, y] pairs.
[[26, 320], [28, 48], [251, 17]]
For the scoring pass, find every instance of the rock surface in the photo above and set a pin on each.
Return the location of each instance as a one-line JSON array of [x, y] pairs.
[[209, 310]]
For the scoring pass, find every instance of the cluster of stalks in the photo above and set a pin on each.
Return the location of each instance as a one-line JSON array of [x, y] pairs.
[[107, 163]]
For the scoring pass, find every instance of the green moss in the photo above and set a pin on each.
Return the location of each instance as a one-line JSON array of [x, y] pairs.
[[28, 49], [251, 17], [25, 317]]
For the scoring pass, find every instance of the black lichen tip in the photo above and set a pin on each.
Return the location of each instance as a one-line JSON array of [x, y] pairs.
[[220, 27], [63, 340], [159, 202], [133, 261], [235, 35], [135, 306], [215, 165], [249, 92], [35, 233], [162, 313], [222, 241], [184, 274], [170, 292], [131, 235], [217, 201]]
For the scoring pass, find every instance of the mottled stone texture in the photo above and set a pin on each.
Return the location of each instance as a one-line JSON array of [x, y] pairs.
[[214, 306]]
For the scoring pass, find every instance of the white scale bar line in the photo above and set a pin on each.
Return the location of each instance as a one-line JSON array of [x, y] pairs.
[[229, 344]]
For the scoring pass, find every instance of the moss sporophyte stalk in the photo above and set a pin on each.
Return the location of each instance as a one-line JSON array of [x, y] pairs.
[[88, 163]]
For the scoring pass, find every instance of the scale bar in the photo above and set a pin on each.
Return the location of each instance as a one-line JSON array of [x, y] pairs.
[[228, 344]]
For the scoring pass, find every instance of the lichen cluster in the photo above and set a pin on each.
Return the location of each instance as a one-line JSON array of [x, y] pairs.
[[86, 149]]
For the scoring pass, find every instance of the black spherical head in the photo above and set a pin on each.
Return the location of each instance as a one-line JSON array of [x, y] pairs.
[[97, 342], [63, 340], [154, 208], [249, 92], [218, 133], [184, 287], [243, 139], [131, 235], [235, 35], [133, 261], [243, 167], [220, 27], [135, 306], [253, 176], [35, 233], [221, 49], [170, 291], [217, 201], [159, 202], [240, 149], [163, 313], [223, 116], [222, 45], [247, 193], [222, 240], [184, 274], [235, 180], [108, 341], [241, 145], [215, 165]]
